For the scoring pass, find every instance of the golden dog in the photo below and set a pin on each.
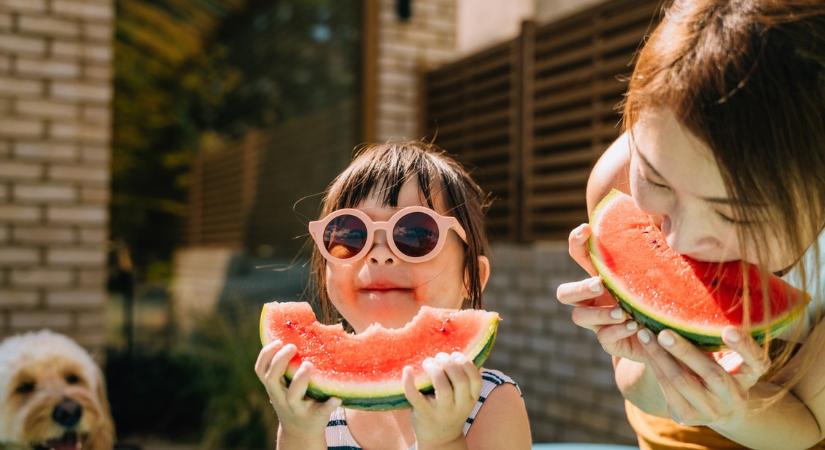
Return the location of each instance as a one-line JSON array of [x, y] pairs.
[[52, 395]]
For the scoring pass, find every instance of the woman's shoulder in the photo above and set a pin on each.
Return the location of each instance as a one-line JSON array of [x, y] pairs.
[[610, 171]]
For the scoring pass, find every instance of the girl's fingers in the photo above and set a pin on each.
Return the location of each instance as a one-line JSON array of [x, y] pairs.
[[578, 291], [755, 361], [711, 374], [473, 375], [443, 390], [458, 378], [416, 398], [611, 334], [298, 387], [594, 317], [275, 372], [265, 358], [577, 247]]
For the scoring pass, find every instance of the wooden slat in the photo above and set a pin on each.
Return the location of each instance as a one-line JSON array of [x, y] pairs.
[[558, 199], [571, 157]]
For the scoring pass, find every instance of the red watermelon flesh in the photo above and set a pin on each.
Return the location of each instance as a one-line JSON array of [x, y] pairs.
[[663, 289], [364, 369]]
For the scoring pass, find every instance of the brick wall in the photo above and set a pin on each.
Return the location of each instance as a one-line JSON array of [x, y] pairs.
[[55, 115], [565, 376], [403, 49]]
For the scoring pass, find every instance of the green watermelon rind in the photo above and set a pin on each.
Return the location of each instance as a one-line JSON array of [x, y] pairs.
[[377, 401], [387, 402], [707, 338]]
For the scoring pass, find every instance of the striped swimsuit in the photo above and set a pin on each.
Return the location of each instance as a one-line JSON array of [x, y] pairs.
[[339, 437]]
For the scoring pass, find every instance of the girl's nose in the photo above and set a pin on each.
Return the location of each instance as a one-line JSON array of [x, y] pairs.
[[380, 253]]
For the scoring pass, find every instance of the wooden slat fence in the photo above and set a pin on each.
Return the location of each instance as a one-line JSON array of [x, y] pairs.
[[531, 115]]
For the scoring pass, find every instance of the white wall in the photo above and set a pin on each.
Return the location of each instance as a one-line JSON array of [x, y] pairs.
[[485, 22], [550, 10]]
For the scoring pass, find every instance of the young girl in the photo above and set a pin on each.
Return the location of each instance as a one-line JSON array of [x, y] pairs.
[[385, 278], [724, 146]]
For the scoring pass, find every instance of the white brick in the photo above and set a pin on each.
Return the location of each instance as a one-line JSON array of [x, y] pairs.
[[81, 131], [16, 298], [91, 319], [21, 128], [77, 214], [85, 10], [82, 91], [48, 25], [41, 277], [94, 195], [24, 5], [75, 298], [12, 43], [47, 68], [5, 64], [89, 52], [4, 193], [98, 115], [18, 213], [17, 87], [43, 235], [4, 234], [10, 170], [99, 73], [95, 154], [45, 151], [75, 256], [92, 277], [46, 108], [86, 174], [6, 22], [45, 192], [19, 255], [40, 319], [93, 235], [95, 31]]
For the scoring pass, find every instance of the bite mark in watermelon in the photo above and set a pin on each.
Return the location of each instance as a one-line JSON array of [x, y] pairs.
[[364, 370], [663, 289]]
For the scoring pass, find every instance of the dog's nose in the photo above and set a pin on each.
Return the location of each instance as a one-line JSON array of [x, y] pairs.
[[67, 413]]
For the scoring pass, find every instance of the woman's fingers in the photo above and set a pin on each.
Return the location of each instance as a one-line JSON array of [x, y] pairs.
[[595, 317], [611, 334], [577, 291], [577, 247], [755, 360], [703, 365]]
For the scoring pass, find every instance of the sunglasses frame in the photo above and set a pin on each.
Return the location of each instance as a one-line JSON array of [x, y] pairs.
[[444, 223]]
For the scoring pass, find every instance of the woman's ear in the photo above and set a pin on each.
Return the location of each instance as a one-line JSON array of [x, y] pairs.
[[483, 271]]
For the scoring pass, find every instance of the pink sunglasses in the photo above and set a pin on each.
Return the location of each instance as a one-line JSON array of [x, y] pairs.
[[415, 234]]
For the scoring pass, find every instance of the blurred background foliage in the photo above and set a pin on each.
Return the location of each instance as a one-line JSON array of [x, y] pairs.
[[193, 75]]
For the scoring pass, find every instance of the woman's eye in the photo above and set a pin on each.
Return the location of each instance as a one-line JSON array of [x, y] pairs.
[[653, 183]]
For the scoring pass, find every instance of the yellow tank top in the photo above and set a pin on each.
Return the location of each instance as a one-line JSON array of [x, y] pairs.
[[658, 433]]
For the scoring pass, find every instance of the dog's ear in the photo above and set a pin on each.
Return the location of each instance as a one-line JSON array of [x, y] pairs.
[[102, 438]]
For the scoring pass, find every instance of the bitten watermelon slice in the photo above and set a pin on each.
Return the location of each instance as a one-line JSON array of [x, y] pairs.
[[364, 370], [663, 289]]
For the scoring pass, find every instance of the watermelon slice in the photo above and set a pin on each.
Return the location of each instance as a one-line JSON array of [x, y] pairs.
[[662, 289], [364, 370]]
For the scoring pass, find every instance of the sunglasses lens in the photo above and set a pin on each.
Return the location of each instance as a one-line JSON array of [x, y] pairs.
[[415, 234], [345, 236]]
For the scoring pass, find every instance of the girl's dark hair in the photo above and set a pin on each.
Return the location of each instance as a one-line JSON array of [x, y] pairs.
[[747, 77], [382, 169]]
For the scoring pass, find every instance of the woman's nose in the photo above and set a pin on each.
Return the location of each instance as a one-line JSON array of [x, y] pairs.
[[686, 237]]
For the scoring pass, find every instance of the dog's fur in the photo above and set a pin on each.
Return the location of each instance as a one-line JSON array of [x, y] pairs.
[[40, 371]]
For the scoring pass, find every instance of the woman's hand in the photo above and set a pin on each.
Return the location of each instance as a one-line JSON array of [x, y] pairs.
[[594, 308], [439, 420], [697, 389], [301, 418]]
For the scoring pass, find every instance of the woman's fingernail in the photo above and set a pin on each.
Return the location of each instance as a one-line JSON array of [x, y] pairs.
[[617, 313], [644, 336], [731, 335], [666, 339], [632, 326], [595, 285]]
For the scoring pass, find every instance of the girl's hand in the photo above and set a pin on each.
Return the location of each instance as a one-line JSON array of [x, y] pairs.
[[698, 390], [439, 420], [594, 308], [300, 417]]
